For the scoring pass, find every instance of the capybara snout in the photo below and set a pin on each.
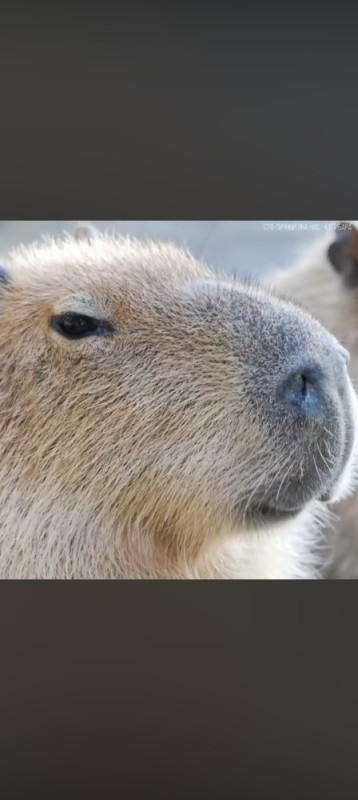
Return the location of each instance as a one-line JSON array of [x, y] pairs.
[[298, 390]]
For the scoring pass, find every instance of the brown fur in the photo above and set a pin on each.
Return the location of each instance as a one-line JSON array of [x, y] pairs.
[[137, 454], [324, 281]]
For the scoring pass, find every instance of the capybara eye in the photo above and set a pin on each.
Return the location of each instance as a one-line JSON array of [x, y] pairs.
[[77, 326]]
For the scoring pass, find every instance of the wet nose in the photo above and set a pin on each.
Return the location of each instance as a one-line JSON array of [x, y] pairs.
[[308, 391]]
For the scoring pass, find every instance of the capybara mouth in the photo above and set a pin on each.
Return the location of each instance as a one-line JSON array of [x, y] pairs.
[[264, 515]]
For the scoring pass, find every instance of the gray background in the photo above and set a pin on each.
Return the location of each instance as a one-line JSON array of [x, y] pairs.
[[243, 248]]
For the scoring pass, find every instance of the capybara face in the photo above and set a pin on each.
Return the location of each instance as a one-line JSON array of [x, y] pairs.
[[162, 397]]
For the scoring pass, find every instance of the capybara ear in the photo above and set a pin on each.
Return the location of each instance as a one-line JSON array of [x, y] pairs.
[[84, 231], [343, 253]]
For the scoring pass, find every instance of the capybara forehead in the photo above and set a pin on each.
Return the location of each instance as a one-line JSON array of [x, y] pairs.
[[70, 260]]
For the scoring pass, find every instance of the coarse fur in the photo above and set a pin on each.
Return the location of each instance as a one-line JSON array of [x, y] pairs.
[[145, 452], [324, 280]]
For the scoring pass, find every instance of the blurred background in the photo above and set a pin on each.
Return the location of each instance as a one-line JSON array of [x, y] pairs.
[[245, 249]]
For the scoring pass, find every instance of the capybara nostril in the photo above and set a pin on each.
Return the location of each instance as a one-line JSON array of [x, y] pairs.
[[304, 392]]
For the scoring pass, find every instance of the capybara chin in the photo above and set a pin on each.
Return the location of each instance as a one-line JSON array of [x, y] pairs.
[[159, 422]]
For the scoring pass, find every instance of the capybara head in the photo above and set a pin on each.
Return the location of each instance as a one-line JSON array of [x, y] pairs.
[[143, 395]]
